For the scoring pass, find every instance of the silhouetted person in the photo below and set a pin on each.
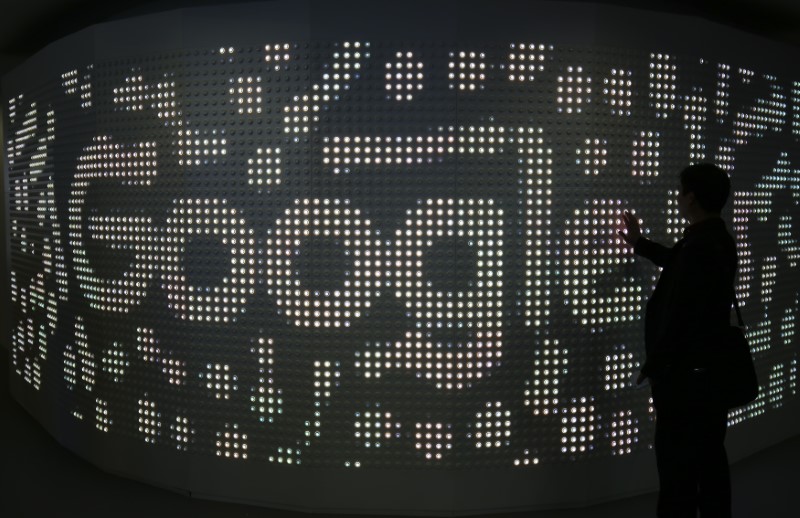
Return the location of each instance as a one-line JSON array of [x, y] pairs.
[[690, 306]]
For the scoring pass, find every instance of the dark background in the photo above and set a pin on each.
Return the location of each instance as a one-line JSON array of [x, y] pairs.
[[27, 26]]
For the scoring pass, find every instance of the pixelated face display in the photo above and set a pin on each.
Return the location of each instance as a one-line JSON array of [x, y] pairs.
[[380, 254]]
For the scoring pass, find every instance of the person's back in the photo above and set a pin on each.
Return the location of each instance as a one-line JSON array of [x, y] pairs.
[[693, 297]]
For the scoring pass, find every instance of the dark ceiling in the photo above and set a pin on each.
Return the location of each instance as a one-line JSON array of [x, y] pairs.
[[28, 25]]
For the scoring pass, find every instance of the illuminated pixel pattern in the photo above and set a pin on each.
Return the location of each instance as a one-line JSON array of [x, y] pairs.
[[375, 428], [38, 270], [467, 71], [618, 91], [372, 254]]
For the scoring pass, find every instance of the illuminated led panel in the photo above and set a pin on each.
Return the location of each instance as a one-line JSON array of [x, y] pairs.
[[281, 251], [127, 165], [38, 270]]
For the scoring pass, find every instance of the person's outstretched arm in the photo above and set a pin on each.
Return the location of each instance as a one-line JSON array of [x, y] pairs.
[[657, 253]]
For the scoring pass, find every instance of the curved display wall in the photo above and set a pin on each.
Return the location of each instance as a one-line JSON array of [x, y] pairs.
[[362, 257]]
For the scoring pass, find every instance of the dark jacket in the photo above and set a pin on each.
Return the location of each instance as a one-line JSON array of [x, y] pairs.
[[693, 297]]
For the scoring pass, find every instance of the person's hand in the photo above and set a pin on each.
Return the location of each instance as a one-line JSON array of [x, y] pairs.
[[632, 230]]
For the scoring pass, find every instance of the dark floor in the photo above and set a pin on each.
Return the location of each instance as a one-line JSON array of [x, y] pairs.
[[42, 479]]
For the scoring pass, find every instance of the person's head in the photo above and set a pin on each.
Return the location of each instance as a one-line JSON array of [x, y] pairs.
[[704, 191]]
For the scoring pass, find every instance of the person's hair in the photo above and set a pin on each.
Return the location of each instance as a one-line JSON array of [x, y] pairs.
[[710, 185]]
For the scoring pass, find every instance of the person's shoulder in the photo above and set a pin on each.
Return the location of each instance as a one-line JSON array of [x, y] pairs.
[[715, 228], [717, 247], [722, 233], [711, 238]]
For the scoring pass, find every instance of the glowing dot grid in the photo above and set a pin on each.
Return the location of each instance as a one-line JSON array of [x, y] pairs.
[[354, 254]]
